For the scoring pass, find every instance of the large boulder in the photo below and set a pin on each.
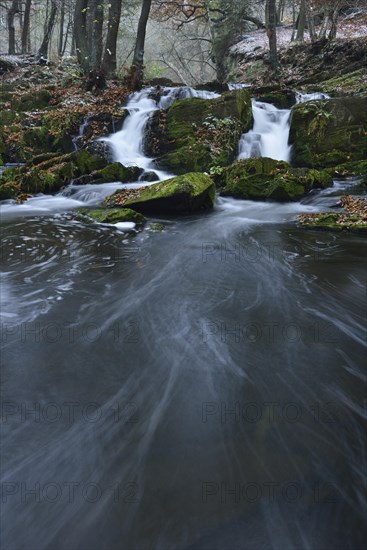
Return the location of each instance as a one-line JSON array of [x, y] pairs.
[[329, 132], [268, 179], [195, 134], [182, 194]]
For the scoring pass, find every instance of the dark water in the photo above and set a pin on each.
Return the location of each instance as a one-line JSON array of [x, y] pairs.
[[201, 387]]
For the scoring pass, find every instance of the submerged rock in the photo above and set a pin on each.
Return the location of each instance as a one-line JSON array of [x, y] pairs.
[[265, 178], [113, 215], [195, 134], [182, 194], [329, 132]]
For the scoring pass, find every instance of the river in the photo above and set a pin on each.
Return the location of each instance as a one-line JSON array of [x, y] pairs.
[[198, 387]]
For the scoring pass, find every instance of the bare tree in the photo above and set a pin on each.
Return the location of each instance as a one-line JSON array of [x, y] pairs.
[[109, 58], [271, 21], [80, 32], [13, 10], [49, 27], [26, 26], [137, 73]]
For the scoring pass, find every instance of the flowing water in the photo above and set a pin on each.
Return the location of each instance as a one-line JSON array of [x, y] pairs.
[[199, 387], [269, 135]]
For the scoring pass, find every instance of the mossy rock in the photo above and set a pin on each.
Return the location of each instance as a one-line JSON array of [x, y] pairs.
[[114, 215], [53, 173], [87, 162], [268, 179], [281, 98], [38, 99], [8, 189], [194, 157], [330, 221], [195, 134], [117, 172], [326, 133], [356, 168], [182, 194]]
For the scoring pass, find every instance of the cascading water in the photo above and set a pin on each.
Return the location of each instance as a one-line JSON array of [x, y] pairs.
[[269, 136], [170, 95], [270, 133], [127, 144]]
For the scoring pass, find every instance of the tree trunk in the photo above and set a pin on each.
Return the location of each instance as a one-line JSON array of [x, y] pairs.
[[61, 30], [14, 9], [95, 37], [301, 22], [49, 27], [334, 22], [109, 57], [138, 60], [324, 26], [80, 33], [280, 12], [310, 23], [26, 26], [272, 33]]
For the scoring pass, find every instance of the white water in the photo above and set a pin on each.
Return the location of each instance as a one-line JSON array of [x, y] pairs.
[[270, 133], [301, 98], [269, 136], [127, 144], [170, 95]]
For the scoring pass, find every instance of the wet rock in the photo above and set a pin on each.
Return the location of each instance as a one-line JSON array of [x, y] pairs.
[[117, 172], [326, 133], [113, 215], [195, 134], [100, 148], [182, 194], [149, 176], [268, 179]]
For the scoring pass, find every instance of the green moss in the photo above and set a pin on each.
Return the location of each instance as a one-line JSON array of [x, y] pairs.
[[114, 215], [8, 189], [196, 134], [182, 194], [38, 138], [354, 168], [156, 227], [195, 157], [117, 172], [346, 83], [87, 163], [265, 178], [329, 132], [38, 99], [333, 222]]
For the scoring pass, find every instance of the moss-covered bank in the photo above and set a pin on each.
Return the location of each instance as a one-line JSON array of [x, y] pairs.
[[265, 178]]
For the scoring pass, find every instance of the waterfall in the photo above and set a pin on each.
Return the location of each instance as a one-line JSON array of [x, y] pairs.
[[128, 144], [269, 136], [270, 133]]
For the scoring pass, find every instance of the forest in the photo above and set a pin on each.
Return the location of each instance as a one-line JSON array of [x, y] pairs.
[[183, 216]]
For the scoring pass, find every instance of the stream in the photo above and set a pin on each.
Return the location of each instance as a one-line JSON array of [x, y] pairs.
[[199, 387]]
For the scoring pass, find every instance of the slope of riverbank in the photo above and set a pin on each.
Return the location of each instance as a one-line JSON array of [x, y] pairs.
[[338, 67]]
